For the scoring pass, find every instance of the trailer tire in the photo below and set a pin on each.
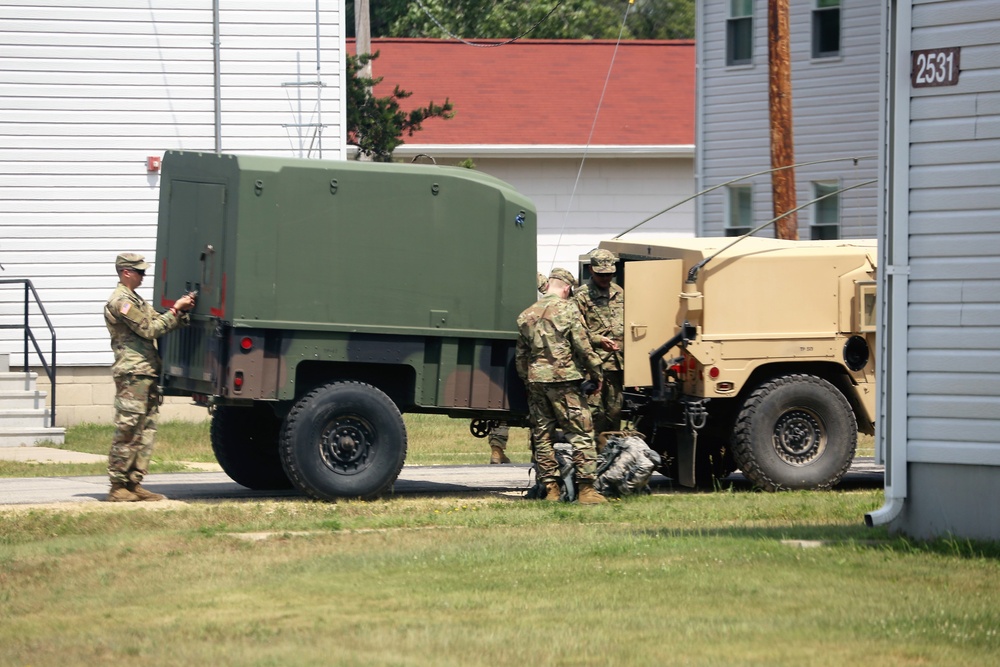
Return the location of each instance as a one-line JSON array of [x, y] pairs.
[[795, 432], [344, 440], [245, 442]]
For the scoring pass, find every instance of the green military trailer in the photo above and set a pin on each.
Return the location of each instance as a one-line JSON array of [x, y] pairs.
[[332, 297]]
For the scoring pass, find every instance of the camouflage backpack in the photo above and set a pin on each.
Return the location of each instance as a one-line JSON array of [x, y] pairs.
[[624, 467]]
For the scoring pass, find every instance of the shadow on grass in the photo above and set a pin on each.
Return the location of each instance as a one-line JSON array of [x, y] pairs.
[[859, 536]]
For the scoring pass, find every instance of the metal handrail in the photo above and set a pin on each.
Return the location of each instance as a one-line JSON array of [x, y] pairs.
[[50, 371]]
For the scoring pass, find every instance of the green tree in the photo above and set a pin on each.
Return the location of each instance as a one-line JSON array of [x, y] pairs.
[[376, 124], [662, 19], [555, 19], [381, 15]]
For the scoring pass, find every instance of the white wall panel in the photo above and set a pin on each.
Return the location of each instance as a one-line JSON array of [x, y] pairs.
[[93, 87]]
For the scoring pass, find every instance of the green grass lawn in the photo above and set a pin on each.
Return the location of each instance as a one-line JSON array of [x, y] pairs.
[[688, 579], [725, 578]]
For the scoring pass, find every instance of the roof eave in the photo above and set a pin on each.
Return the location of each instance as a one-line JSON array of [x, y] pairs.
[[541, 150]]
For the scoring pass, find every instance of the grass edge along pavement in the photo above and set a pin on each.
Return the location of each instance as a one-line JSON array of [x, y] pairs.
[[183, 446], [725, 578]]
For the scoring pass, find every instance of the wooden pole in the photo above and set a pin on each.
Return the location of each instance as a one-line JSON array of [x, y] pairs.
[[780, 105], [363, 34]]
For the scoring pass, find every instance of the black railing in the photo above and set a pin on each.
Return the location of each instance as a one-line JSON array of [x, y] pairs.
[[50, 368]]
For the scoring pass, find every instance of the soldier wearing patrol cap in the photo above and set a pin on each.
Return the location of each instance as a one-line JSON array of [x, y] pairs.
[[602, 304], [134, 327], [500, 434], [553, 355]]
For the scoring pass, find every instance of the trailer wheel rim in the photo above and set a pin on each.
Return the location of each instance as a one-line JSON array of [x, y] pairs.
[[347, 444], [799, 437]]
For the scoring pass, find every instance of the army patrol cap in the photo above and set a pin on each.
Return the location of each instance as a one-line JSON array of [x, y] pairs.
[[602, 261], [131, 260], [563, 275], [542, 282]]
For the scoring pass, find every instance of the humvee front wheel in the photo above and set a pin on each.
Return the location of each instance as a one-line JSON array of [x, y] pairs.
[[795, 432], [245, 442], [343, 440]]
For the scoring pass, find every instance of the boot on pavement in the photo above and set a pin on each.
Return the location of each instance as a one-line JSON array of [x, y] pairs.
[[145, 495], [552, 492], [121, 494], [588, 495], [498, 455]]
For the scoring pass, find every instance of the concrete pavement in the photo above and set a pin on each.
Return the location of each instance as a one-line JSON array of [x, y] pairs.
[[510, 479], [48, 455], [218, 486]]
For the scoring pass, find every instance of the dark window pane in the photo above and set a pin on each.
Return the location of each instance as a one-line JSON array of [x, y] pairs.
[[739, 41], [826, 32], [825, 232]]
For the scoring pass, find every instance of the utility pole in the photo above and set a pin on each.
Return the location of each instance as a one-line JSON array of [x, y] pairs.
[[780, 105], [363, 34], [363, 45]]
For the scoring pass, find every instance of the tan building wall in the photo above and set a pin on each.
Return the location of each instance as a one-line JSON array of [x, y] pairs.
[[87, 394]]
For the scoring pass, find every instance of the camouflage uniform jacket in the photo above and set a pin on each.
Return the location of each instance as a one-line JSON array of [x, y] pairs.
[[134, 327], [604, 315], [553, 344]]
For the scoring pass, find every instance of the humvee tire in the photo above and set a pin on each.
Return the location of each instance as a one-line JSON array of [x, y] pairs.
[[343, 440], [795, 432], [245, 442]]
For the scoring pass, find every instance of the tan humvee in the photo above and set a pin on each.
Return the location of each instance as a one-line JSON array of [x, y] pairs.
[[757, 354]]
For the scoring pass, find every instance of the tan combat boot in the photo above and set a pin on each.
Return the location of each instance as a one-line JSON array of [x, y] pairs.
[[144, 494], [588, 495], [552, 491], [120, 494], [498, 455]]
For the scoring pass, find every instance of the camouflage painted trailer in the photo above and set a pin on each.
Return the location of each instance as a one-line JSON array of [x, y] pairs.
[[332, 297]]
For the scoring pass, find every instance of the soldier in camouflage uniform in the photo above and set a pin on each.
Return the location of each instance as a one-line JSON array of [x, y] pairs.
[[134, 327], [500, 434], [552, 356], [602, 304]]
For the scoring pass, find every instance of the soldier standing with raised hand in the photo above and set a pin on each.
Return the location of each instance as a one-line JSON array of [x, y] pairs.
[[552, 357], [134, 327], [602, 304]]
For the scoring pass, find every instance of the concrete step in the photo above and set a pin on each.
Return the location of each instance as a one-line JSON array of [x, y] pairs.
[[24, 417], [17, 381], [27, 436], [22, 400]]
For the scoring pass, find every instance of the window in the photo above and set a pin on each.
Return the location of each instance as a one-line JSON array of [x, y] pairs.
[[739, 210], [826, 212], [739, 33], [826, 29]]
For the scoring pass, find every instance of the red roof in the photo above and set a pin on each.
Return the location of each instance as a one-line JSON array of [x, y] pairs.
[[545, 91]]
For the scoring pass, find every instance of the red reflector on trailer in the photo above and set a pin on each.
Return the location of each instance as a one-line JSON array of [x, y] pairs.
[[713, 372], [238, 380], [246, 343]]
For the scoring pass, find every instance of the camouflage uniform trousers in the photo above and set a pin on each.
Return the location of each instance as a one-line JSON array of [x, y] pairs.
[[137, 404], [561, 405], [606, 405], [499, 435]]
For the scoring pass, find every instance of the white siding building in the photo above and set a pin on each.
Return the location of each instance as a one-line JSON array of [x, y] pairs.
[[834, 53], [90, 90], [939, 275]]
